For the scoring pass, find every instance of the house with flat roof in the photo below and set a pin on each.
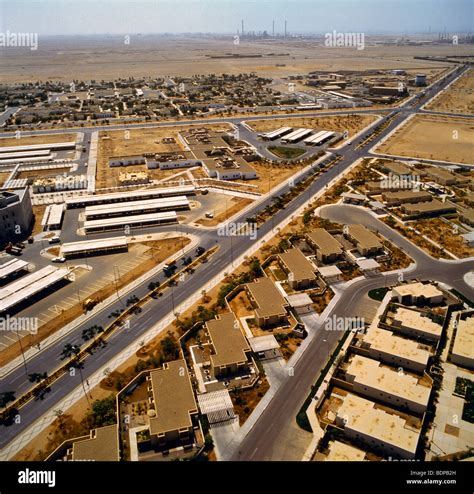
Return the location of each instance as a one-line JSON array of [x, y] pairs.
[[102, 445], [394, 350], [404, 196], [339, 451], [415, 324], [389, 433], [176, 411], [428, 209], [467, 216], [300, 271], [270, 306], [399, 389], [231, 351], [417, 293], [366, 242], [396, 168], [443, 176], [127, 160], [328, 249], [463, 348]]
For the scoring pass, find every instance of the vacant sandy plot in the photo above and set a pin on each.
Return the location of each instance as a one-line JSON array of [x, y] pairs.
[[459, 98], [38, 139], [230, 207], [338, 123], [137, 142], [433, 137]]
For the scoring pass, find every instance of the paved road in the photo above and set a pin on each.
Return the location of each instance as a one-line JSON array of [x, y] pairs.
[[285, 407]]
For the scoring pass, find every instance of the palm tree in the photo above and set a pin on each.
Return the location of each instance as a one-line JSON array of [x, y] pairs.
[[69, 351]]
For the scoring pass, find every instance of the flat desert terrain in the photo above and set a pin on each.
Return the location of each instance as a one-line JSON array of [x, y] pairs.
[[459, 98], [38, 139], [433, 137], [67, 58]]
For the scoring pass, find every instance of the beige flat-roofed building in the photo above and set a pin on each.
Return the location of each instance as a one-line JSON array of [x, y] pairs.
[[463, 348], [415, 324], [344, 452], [103, 445], [366, 242], [467, 216], [270, 305], [398, 389], [429, 208], [230, 345], [328, 249], [404, 196], [393, 350], [174, 402], [414, 293], [386, 432], [300, 271], [396, 168], [445, 177]]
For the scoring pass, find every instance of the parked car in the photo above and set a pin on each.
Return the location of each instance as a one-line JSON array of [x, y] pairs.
[[54, 240], [58, 259]]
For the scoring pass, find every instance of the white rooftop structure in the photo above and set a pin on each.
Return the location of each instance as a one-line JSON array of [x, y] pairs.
[[139, 220], [296, 135], [328, 272], [367, 264], [24, 154], [32, 147], [53, 216], [319, 138], [217, 405], [263, 343], [277, 133], [86, 246], [25, 287], [124, 208], [135, 195], [12, 266]]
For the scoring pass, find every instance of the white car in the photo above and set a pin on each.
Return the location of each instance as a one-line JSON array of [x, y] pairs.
[[58, 259], [209, 215]]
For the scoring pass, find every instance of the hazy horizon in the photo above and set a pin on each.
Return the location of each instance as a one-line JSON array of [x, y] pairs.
[[117, 17]]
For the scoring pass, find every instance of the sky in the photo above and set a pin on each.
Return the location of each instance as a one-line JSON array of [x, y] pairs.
[[87, 17]]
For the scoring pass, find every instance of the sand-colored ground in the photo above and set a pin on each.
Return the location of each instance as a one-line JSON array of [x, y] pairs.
[[136, 142], [234, 205], [459, 98], [433, 137], [338, 123], [37, 139], [71, 58]]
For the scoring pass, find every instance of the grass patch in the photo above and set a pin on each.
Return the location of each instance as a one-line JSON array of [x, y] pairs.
[[378, 293], [287, 153]]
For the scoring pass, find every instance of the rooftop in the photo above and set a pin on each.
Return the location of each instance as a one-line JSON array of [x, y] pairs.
[[418, 289], [464, 343], [371, 373], [386, 342], [298, 266], [325, 242], [414, 319], [228, 341], [374, 422], [268, 298], [173, 397], [102, 446], [427, 207], [364, 237], [343, 452]]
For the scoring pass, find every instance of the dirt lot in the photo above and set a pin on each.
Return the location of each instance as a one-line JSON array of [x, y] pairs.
[[459, 98], [38, 139], [136, 141], [3, 177], [235, 205], [271, 175], [352, 123], [430, 137], [159, 251], [38, 212]]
